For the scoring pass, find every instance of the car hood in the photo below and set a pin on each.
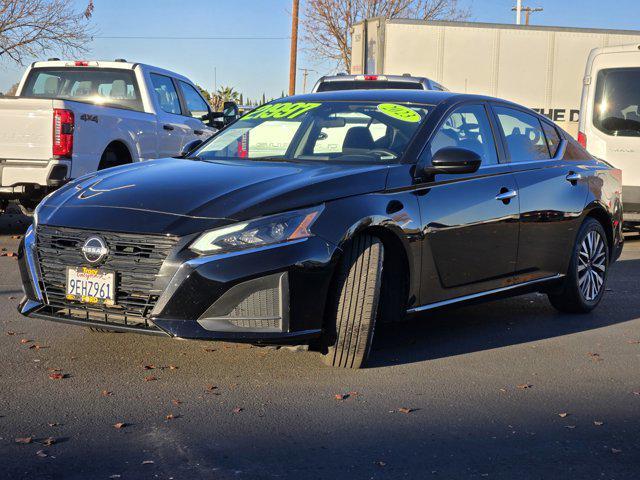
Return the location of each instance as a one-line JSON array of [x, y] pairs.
[[179, 196]]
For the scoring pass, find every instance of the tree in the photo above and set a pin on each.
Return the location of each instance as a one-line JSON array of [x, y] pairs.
[[327, 23], [30, 28], [224, 94], [12, 91], [205, 94]]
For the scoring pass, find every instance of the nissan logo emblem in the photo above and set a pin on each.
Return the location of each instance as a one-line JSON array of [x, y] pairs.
[[94, 249]]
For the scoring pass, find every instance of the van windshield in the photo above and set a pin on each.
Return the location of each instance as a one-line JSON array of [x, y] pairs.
[[319, 131], [617, 102], [102, 86]]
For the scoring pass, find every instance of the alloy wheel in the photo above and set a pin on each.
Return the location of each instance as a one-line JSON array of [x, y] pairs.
[[592, 265]]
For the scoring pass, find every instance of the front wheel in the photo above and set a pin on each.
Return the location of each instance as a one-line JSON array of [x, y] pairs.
[[584, 284], [355, 304]]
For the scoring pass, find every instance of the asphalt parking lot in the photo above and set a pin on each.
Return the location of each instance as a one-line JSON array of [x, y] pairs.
[[508, 389]]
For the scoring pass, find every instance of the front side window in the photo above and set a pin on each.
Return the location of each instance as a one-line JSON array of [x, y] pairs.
[[109, 87], [617, 102], [195, 103], [469, 128], [319, 131], [166, 93], [524, 136]]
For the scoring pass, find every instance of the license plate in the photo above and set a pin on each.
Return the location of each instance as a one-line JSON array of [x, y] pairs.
[[90, 285]]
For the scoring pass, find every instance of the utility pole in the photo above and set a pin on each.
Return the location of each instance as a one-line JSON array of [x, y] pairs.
[[527, 10], [305, 73], [294, 47]]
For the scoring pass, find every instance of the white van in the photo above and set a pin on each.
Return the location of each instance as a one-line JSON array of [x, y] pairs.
[[610, 118]]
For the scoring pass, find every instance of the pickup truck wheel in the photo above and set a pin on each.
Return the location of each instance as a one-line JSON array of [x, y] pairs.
[[116, 154], [355, 305]]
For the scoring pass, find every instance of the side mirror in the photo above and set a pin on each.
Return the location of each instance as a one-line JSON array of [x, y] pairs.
[[230, 112], [454, 160]]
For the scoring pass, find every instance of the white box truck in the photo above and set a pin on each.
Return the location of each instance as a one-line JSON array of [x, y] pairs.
[[540, 67]]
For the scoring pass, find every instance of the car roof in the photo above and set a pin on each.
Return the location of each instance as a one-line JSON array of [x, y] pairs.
[[427, 97]]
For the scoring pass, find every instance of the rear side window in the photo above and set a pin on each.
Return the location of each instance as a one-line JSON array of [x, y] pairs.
[[523, 133], [110, 87], [617, 102], [166, 93], [553, 138], [367, 85], [574, 151]]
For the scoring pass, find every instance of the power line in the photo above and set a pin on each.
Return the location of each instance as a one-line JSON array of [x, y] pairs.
[[141, 37]]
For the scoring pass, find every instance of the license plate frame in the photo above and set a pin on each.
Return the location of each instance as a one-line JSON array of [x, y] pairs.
[[100, 289]]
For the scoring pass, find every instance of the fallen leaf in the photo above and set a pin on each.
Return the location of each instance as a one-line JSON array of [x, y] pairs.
[[148, 367], [24, 440], [616, 450], [42, 454], [173, 367], [11, 333], [25, 340], [595, 357], [36, 346], [176, 402], [47, 442], [106, 393], [238, 410], [563, 415], [524, 386], [150, 378], [341, 396], [57, 376], [503, 390], [380, 463], [119, 425], [636, 392], [12, 297], [147, 462], [211, 387], [53, 424], [210, 349], [170, 416], [598, 423], [406, 410]]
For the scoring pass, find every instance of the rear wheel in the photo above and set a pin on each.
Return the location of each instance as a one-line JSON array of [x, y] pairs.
[[584, 284], [355, 302]]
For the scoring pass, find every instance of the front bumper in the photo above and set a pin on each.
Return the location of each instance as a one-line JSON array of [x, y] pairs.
[[273, 295]]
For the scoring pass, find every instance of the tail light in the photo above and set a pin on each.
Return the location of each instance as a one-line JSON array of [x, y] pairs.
[[371, 78], [63, 124], [81, 63], [582, 139]]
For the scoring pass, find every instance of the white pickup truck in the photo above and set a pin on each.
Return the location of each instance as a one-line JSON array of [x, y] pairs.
[[70, 118]]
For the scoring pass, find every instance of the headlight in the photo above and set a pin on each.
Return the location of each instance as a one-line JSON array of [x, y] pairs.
[[271, 230]]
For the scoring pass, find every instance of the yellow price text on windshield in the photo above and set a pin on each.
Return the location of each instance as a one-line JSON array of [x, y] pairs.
[[281, 110], [399, 112]]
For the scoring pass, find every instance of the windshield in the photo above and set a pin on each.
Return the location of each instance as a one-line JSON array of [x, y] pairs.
[[319, 131], [102, 86], [617, 102]]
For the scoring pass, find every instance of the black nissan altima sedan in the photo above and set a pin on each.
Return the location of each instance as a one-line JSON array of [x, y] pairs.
[[314, 217]]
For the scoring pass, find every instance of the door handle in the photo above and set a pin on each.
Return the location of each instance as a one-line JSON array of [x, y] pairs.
[[506, 196], [168, 127], [573, 177], [198, 132]]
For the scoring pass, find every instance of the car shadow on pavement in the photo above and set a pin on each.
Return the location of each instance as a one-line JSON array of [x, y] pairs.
[[500, 323], [13, 221]]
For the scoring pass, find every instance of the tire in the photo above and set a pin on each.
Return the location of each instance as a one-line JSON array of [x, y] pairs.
[[109, 159], [584, 285], [354, 307]]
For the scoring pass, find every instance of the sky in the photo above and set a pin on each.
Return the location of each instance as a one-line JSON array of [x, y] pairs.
[[256, 66]]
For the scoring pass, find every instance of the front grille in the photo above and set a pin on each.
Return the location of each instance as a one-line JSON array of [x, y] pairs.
[[135, 259]]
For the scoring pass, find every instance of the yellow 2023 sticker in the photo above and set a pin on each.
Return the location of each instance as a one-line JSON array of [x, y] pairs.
[[400, 112], [281, 110]]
